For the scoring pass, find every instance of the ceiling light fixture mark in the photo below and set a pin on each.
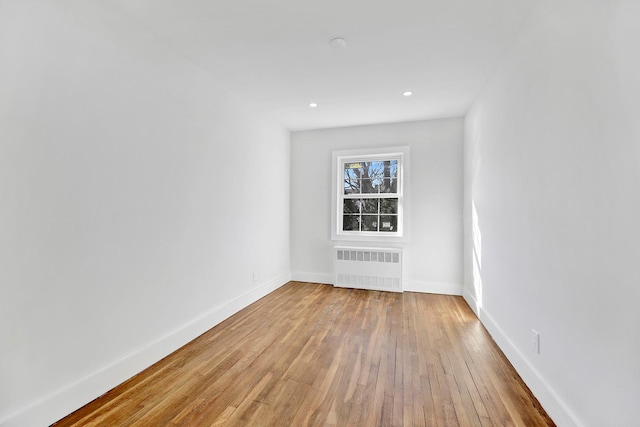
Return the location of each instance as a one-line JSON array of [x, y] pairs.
[[407, 93], [313, 105], [338, 43]]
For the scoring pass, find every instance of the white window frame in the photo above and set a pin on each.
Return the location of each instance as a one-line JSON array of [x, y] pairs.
[[401, 154]]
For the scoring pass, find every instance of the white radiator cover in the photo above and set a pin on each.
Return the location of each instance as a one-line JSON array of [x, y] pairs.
[[368, 268]]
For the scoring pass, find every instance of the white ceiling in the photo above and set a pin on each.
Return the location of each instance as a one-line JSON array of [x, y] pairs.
[[276, 54]]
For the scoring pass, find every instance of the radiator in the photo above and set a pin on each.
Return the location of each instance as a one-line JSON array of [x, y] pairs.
[[368, 268]]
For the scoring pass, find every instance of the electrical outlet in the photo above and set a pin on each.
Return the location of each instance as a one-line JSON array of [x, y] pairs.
[[535, 341], [255, 276]]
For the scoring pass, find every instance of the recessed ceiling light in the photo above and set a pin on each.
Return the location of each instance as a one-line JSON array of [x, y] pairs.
[[313, 105], [407, 93]]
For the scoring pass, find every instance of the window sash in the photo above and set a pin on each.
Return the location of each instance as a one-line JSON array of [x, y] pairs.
[[381, 173]]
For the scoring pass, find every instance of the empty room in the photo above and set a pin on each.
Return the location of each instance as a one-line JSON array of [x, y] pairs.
[[337, 213]]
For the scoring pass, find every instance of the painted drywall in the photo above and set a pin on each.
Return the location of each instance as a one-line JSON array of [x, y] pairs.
[[138, 198], [433, 252], [552, 202]]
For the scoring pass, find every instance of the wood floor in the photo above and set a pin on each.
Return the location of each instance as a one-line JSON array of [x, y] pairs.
[[314, 355]]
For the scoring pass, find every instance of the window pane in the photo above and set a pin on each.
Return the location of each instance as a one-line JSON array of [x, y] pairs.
[[371, 205], [351, 181], [352, 205], [389, 223], [369, 222], [369, 186], [350, 223], [389, 177], [353, 174], [376, 174], [389, 206]]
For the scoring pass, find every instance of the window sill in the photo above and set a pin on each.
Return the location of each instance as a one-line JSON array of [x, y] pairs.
[[368, 238]]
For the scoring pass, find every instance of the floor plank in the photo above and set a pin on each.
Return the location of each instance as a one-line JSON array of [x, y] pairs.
[[313, 355]]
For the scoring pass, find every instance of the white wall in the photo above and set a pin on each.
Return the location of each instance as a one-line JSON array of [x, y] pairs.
[[552, 160], [137, 199], [433, 255]]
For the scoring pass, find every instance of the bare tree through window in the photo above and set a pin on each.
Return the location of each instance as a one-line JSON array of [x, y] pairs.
[[370, 201]]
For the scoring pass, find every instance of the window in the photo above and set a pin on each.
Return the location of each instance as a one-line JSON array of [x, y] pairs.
[[370, 196], [369, 199]]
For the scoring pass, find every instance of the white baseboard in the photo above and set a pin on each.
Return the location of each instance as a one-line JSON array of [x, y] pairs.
[[304, 276], [548, 398], [445, 288], [66, 400]]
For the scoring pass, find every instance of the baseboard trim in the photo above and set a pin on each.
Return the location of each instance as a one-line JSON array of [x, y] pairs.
[[304, 276], [445, 288], [541, 389], [51, 408]]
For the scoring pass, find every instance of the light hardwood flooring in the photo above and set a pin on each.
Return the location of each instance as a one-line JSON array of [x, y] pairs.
[[313, 355]]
